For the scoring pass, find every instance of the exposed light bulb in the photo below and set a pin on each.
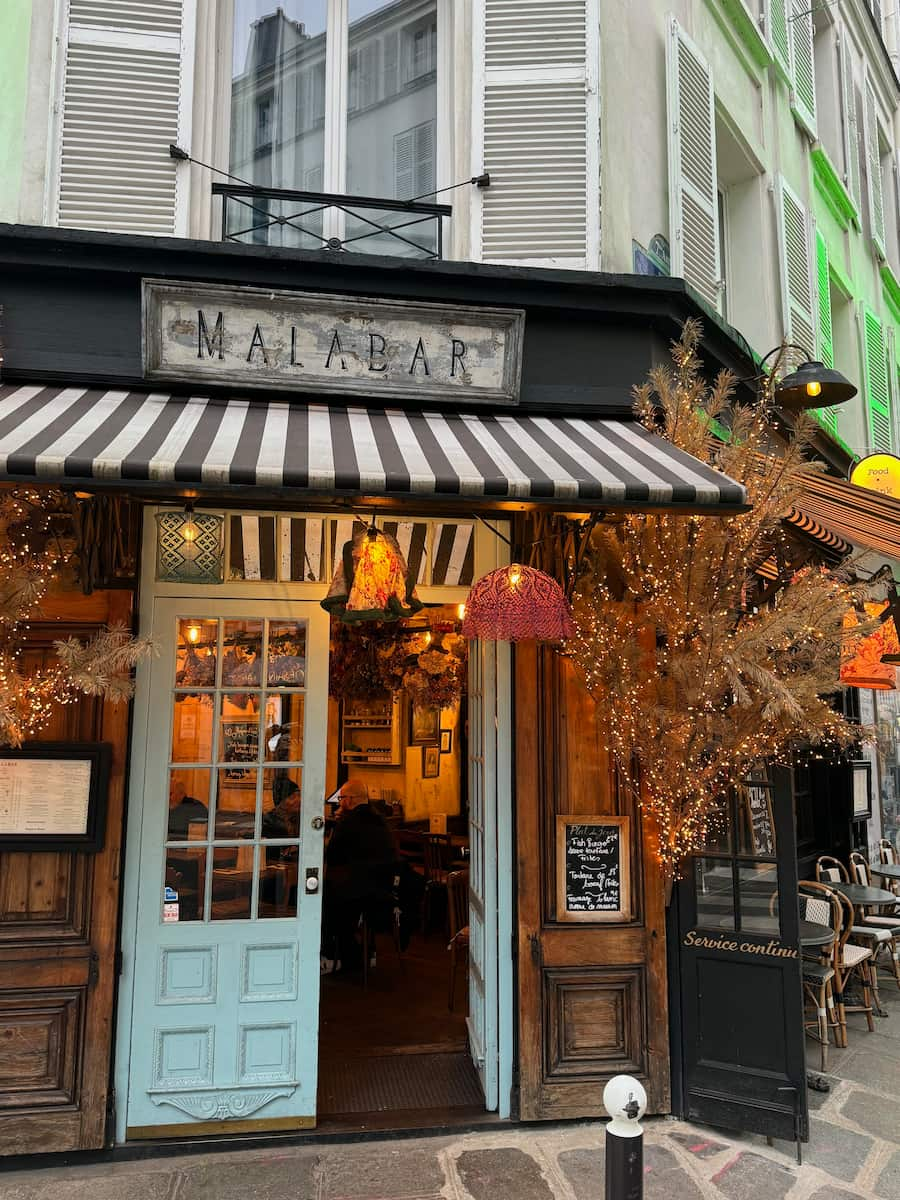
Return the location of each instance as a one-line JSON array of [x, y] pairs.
[[190, 532], [514, 574], [461, 612], [813, 388], [193, 634]]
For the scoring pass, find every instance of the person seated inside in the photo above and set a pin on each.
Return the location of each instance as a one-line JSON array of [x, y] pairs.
[[360, 866], [183, 809]]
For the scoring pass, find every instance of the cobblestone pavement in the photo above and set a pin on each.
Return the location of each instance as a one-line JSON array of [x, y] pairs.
[[854, 1151]]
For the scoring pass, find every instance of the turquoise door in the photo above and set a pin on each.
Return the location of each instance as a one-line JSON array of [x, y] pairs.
[[483, 893], [226, 958]]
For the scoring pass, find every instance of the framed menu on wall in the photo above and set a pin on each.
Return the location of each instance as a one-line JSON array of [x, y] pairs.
[[593, 875], [53, 796]]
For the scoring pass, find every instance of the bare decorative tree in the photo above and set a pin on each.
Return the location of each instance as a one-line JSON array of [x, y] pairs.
[[35, 552], [696, 677]]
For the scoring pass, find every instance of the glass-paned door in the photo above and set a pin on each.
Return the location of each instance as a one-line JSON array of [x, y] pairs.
[[226, 970]]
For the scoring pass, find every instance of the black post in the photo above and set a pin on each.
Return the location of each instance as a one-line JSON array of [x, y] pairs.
[[626, 1102]]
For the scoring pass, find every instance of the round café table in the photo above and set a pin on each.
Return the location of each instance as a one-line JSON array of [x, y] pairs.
[[860, 895], [887, 871]]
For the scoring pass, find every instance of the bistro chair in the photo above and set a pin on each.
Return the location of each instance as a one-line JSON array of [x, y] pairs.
[[886, 853], [849, 960], [458, 915], [832, 870], [435, 871], [818, 972], [887, 927]]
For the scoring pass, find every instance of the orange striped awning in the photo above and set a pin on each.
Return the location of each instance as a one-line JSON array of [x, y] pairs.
[[863, 517]]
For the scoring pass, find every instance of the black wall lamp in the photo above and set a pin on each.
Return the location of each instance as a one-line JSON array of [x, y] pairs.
[[811, 385]]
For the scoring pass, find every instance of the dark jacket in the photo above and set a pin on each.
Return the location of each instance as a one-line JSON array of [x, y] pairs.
[[361, 855]]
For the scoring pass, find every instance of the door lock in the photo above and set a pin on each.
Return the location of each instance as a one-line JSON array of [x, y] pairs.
[[312, 879], [317, 822]]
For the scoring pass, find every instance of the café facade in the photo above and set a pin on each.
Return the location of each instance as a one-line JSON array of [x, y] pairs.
[[225, 420]]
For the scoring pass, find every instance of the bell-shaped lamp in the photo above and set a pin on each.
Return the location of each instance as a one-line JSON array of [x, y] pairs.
[[517, 604], [813, 385]]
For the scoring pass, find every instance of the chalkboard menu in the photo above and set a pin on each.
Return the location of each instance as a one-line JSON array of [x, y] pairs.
[[593, 857], [758, 803]]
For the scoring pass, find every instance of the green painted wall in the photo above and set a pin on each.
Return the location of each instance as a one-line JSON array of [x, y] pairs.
[[15, 36]]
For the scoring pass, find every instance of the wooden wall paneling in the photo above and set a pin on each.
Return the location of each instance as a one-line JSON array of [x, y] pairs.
[[592, 996], [58, 927]]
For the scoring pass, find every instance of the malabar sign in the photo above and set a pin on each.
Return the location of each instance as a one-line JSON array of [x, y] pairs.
[[325, 344]]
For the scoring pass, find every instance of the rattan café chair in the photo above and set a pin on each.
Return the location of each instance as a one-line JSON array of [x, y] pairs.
[[818, 971], [887, 924], [849, 960]]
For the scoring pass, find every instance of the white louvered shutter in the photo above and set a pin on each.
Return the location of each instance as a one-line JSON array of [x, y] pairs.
[[693, 190], [803, 68], [797, 287], [778, 32], [850, 123], [124, 100], [892, 367], [537, 132], [873, 169], [878, 396]]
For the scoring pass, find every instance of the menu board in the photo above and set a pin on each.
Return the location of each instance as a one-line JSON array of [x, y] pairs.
[[759, 813], [41, 796], [53, 795], [593, 856]]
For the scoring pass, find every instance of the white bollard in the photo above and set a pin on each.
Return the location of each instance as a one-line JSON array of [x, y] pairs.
[[626, 1102]]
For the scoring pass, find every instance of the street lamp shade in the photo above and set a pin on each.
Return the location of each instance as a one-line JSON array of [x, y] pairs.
[[813, 385]]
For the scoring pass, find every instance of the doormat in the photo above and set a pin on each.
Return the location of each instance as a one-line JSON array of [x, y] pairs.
[[397, 1082]]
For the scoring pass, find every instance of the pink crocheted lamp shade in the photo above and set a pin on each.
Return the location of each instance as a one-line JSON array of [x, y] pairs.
[[517, 604]]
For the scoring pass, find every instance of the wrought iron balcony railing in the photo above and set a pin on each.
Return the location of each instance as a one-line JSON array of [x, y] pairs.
[[322, 221]]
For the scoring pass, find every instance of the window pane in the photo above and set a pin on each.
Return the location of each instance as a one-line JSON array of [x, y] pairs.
[[759, 896], [287, 653], [714, 892], [232, 883], [192, 728], [278, 110], [391, 99], [284, 727], [195, 660], [185, 876], [239, 737], [236, 803], [241, 654], [188, 799], [281, 807]]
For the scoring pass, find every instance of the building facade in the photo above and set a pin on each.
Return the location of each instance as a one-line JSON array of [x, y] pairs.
[[184, 178]]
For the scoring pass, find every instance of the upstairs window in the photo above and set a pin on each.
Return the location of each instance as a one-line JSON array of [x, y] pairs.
[[342, 93]]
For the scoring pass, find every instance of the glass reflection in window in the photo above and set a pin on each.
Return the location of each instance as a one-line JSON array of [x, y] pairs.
[[186, 876], [188, 800], [281, 803], [284, 727]]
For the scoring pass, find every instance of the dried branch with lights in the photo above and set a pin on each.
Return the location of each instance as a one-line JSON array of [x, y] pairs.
[[37, 545], [694, 682]]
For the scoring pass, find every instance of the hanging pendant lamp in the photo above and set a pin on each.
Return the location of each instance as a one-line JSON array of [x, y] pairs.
[[372, 581], [517, 604], [863, 665]]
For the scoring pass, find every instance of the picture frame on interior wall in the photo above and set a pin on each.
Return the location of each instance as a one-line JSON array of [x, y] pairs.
[[446, 741], [431, 762], [424, 725]]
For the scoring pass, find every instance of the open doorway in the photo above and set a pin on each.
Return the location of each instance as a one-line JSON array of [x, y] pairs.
[[394, 1044]]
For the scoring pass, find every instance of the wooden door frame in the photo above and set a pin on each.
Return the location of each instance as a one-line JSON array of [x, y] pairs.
[[79, 960]]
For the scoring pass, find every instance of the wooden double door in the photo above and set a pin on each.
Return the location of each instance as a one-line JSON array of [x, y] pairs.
[[58, 927], [592, 995]]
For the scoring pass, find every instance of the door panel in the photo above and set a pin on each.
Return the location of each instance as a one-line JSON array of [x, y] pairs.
[[227, 956], [743, 1041], [58, 921], [483, 991], [592, 996]]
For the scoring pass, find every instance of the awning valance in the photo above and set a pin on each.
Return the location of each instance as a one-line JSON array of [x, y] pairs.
[[861, 516], [129, 438]]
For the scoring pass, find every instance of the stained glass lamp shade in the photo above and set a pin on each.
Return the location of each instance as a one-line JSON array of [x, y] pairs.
[[372, 581]]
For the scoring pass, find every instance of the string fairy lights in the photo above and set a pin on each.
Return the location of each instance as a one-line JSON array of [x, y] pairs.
[[695, 683], [35, 553]]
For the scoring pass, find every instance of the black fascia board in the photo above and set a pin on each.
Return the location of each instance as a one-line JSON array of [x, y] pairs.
[[658, 304]]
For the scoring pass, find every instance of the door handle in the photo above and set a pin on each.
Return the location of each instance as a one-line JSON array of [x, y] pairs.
[[318, 822], [312, 879]]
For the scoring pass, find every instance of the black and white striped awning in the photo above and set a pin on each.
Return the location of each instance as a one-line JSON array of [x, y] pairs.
[[93, 436]]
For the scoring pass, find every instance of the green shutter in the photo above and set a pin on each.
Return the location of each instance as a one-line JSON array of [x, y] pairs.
[[878, 401], [778, 34], [827, 417]]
